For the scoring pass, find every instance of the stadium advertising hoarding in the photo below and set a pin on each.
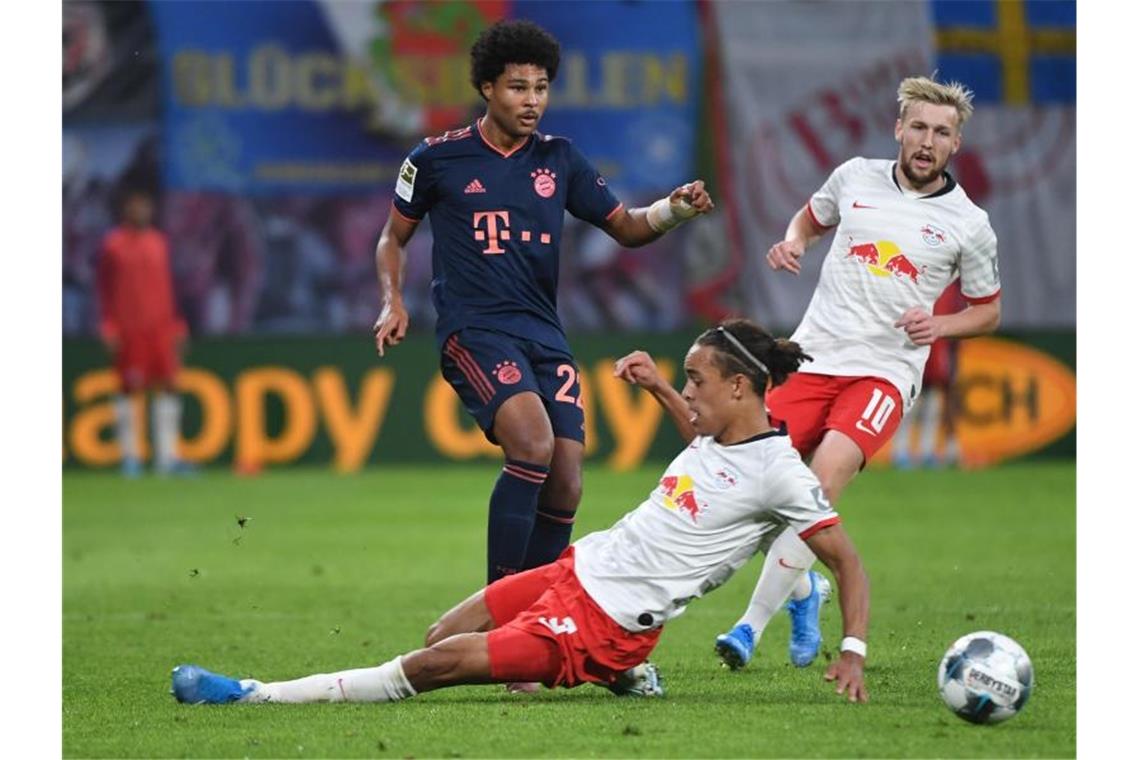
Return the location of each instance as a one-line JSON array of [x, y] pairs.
[[267, 402]]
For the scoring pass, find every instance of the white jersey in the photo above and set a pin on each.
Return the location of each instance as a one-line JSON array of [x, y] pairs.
[[711, 511], [894, 249]]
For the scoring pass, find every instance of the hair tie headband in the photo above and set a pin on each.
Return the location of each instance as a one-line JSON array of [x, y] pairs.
[[740, 347]]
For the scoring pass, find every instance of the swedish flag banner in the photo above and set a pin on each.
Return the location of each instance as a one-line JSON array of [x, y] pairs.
[[1009, 51]]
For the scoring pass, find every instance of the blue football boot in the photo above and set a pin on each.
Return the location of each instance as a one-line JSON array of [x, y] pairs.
[[194, 685], [806, 636], [735, 647]]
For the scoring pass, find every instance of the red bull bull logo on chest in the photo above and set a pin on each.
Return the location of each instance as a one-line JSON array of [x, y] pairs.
[[680, 495], [884, 258]]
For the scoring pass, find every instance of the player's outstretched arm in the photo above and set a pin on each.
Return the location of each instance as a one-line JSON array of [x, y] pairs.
[[392, 323], [639, 368], [643, 225], [801, 234], [834, 548]]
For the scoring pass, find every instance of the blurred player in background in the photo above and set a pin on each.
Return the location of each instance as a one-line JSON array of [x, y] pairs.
[[496, 191], [594, 615], [140, 326], [934, 410], [906, 229]]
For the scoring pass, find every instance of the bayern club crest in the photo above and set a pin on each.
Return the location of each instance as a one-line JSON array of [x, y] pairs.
[[544, 183], [508, 372]]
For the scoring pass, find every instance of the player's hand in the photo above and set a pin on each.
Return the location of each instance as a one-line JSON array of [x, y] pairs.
[[921, 327], [786, 255], [847, 673], [391, 325], [691, 199], [638, 368]]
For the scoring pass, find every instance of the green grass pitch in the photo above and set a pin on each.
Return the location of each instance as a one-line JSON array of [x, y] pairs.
[[335, 572]]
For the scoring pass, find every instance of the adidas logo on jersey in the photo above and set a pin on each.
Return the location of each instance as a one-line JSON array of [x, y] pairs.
[[475, 186]]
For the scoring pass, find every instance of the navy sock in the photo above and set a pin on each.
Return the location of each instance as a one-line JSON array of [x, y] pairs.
[[511, 520], [551, 534]]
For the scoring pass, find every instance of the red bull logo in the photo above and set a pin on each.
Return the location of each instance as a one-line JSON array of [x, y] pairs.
[[679, 495], [883, 259]]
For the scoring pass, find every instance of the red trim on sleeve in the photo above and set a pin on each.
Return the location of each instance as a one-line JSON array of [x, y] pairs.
[[617, 208], [819, 526], [405, 217], [984, 299], [814, 220]]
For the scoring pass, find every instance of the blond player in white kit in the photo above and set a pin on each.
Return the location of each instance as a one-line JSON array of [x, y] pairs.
[[595, 614], [905, 231]]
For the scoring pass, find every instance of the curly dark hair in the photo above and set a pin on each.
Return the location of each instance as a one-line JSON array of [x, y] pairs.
[[780, 356], [507, 42]]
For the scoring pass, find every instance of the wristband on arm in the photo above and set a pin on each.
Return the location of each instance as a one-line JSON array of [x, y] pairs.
[[663, 215], [852, 644]]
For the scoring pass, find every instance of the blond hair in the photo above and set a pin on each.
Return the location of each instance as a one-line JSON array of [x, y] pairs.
[[925, 90]]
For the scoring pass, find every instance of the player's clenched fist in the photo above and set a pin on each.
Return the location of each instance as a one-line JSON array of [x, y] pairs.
[[786, 255], [390, 326], [692, 195], [638, 368], [920, 326]]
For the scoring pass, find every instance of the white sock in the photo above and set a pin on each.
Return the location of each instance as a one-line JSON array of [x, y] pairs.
[[802, 589], [784, 574], [386, 683], [167, 421], [126, 427]]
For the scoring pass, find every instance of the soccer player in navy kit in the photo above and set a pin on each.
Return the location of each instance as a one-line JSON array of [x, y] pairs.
[[496, 191]]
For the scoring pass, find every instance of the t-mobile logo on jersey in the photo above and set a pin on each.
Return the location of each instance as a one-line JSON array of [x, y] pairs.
[[496, 227], [492, 234]]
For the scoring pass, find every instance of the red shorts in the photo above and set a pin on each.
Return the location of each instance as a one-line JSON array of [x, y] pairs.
[[144, 360], [865, 409], [548, 629]]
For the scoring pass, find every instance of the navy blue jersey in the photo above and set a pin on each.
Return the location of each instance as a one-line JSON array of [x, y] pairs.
[[496, 219]]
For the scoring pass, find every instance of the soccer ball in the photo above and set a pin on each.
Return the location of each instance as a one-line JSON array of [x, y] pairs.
[[985, 677]]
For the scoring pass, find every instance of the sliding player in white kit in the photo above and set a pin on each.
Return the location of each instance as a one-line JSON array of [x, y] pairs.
[[596, 613], [906, 230]]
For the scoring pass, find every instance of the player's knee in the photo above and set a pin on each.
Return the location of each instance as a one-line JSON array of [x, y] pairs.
[[532, 447]]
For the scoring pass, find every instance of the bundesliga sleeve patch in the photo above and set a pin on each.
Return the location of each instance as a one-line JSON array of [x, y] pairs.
[[406, 182]]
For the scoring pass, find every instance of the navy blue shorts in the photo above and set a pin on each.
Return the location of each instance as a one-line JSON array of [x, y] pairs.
[[486, 368]]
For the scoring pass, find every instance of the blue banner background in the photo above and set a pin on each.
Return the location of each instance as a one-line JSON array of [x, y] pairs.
[[627, 95]]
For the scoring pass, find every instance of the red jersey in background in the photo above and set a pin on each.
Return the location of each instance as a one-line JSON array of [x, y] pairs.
[[136, 306]]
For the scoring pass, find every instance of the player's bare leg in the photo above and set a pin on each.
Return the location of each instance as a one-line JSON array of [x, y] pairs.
[[460, 659], [836, 462], [469, 616], [557, 504]]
